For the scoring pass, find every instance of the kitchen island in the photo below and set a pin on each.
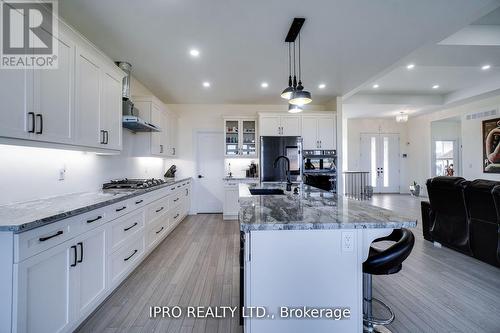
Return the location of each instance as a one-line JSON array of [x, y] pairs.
[[306, 250]]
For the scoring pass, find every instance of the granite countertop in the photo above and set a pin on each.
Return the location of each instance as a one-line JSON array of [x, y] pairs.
[[23, 216], [241, 178], [312, 208]]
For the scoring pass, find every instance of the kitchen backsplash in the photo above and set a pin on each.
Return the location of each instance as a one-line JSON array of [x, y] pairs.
[[238, 166]]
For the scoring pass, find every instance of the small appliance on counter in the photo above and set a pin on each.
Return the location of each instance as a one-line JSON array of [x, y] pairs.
[[251, 172], [132, 184], [171, 172], [319, 169]]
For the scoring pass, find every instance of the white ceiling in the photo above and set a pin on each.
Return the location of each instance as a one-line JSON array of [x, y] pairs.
[[345, 42], [455, 67]]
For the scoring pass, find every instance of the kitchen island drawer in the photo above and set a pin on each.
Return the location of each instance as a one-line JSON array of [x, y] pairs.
[[125, 259], [125, 227]]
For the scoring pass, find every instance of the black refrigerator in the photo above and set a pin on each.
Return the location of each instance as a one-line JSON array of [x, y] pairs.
[[273, 146]]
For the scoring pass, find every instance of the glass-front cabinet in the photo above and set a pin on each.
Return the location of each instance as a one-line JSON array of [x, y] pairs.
[[240, 136]]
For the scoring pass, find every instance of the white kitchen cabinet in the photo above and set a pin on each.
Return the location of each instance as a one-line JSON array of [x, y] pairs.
[[52, 97], [90, 271], [13, 93], [43, 286], [279, 125], [318, 132], [111, 109], [172, 127], [231, 205], [240, 137]]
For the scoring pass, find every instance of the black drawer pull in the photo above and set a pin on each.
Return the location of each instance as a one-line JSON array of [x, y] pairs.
[[43, 239], [74, 256], [172, 189], [159, 210], [81, 251], [93, 220], [120, 209], [126, 259], [175, 200], [133, 225], [159, 230], [176, 216], [178, 186], [32, 116], [39, 116], [138, 202]]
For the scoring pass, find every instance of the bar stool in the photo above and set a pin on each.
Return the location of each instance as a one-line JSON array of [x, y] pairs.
[[383, 262]]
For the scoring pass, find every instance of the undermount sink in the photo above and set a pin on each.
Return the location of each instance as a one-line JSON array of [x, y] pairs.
[[266, 191]]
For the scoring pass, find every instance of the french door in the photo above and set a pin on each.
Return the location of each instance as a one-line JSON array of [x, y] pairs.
[[380, 156]]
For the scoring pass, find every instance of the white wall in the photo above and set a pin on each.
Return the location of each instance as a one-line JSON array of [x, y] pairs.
[[356, 126], [419, 136], [32, 173]]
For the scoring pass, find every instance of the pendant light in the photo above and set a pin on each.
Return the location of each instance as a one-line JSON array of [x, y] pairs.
[[294, 108], [287, 93], [300, 96]]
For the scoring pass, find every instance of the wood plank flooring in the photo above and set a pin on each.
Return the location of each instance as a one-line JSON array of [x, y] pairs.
[[438, 290]]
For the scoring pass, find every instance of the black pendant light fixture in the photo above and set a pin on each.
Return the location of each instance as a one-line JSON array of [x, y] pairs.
[[295, 93]]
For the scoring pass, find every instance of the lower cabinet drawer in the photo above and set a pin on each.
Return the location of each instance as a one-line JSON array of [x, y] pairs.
[[125, 227], [123, 260], [177, 214], [156, 209], [175, 199], [157, 230]]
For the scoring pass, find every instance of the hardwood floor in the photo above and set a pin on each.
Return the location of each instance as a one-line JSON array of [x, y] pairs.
[[438, 290]]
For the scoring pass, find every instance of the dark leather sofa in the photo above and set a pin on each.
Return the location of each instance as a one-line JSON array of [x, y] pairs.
[[464, 216]]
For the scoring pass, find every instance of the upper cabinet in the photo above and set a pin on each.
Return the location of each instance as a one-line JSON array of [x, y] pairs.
[[279, 125], [76, 105], [319, 132], [240, 137]]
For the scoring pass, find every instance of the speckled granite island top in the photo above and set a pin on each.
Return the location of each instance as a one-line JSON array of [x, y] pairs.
[[311, 209], [24, 216]]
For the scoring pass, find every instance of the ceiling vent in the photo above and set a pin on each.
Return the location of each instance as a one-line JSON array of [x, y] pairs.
[[483, 114]]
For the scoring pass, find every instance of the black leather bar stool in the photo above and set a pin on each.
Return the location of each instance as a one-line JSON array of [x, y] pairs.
[[383, 262]]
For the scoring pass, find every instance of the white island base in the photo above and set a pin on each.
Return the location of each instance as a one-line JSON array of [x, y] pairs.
[[312, 268]]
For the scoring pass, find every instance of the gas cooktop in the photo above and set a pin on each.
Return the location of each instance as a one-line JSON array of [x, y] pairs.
[[132, 184]]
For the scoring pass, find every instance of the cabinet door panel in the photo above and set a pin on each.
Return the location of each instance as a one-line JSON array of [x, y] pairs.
[[326, 132], [88, 85], [156, 137], [290, 125], [269, 126], [13, 94], [309, 133], [53, 97], [91, 283], [43, 290], [111, 110]]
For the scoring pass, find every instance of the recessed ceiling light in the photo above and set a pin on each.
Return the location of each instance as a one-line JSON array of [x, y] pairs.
[[436, 86], [194, 52], [264, 85], [410, 66], [322, 86], [375, 86], [485, 67], [206, 84]]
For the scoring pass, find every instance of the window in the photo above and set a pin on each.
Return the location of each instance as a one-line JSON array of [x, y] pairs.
[[445, 156]]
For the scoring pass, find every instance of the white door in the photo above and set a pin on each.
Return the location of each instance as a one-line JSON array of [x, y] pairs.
[[209, 186], [380, 156], [326, 132], [43, 291], [290, 126], [111, 110], [310, 133], [90, 270], [52, 97], [88, 105], [270, 126]]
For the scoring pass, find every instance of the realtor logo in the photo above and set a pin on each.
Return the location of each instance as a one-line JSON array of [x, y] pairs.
[[29, 34]]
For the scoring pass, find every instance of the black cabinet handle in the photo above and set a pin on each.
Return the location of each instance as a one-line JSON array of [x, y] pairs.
[[138, 202], [96, 219], [120, 209], [107, 137], [178, 186], [133, 225], [126, 259], [32, 116], [74, 256], [159, 210], [39, 116], [43, 239], [175, 200], [102, 138], [159, 230], [81, 251], [172, 189], [176, 216]]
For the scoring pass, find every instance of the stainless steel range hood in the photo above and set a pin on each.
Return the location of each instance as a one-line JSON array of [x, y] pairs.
[[130, 118]]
